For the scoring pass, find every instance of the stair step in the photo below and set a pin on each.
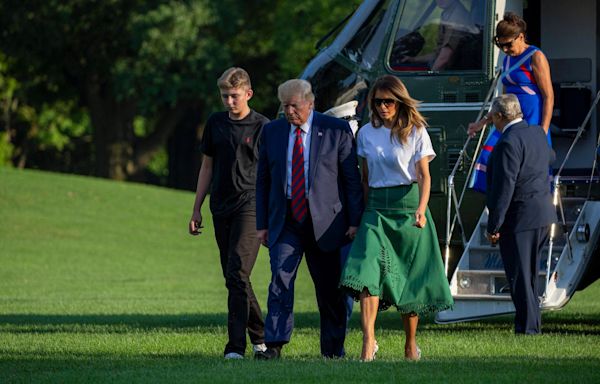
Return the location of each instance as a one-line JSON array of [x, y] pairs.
[[573, 199], [487, 282], [482, 258], [490, 272], [569, 223], [559, 236], [503, 296]]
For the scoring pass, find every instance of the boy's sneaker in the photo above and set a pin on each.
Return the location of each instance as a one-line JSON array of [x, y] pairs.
[[259, 348], [233, 356]]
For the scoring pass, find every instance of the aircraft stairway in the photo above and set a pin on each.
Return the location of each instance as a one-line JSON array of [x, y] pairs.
[[479, 285]]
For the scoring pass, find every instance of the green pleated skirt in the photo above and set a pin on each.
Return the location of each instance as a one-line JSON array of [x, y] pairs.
[[395, 260]]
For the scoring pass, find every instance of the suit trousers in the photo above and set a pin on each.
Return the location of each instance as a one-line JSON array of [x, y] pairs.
[[521, 253], [344, 252], [286, 253], [238, 247]]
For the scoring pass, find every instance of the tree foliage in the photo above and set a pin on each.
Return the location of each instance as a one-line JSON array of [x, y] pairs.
[[115, 78]]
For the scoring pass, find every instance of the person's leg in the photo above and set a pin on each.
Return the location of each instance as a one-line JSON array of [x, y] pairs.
[[530, 260], [369, 305], [325, 270], [518, 256], [534, 321], [410, 322], [349, 300], [285, 256], [222, 227], [244, 311]]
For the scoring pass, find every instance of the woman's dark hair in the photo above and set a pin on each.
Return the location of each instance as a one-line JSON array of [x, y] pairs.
[[511, 26]]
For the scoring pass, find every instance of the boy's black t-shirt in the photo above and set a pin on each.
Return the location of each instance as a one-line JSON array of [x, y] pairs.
[[233, 145]]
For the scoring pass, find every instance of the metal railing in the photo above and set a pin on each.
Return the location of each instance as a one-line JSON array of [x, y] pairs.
[[452, 196], [557, 200]]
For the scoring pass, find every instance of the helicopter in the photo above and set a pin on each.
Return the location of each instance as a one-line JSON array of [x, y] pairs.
[[399, 37]]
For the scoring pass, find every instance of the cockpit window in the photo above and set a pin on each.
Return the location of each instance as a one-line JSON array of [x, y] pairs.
[[439, 35], [365, 47]]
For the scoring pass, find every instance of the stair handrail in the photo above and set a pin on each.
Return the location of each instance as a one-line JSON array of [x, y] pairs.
[[596, 154], [579, 133], [557, 200], [452, 198]]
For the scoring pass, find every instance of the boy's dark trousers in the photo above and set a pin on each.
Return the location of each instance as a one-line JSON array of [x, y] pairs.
[[238, 246]]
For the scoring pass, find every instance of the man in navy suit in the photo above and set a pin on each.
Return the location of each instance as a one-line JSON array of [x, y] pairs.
[[308, 201], [520, 206]]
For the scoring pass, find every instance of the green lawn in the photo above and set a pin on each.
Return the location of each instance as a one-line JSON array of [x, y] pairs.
[[100, 282]]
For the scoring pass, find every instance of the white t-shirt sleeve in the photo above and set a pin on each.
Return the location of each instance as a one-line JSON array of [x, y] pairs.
[[360, 143], [423, 146]]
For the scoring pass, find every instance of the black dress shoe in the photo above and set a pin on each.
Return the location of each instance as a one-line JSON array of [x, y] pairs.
[[270, 354]]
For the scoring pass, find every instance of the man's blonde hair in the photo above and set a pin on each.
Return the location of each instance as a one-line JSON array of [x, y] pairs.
[[234, 77]]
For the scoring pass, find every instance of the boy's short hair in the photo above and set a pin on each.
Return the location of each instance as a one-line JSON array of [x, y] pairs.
[[234, 77]]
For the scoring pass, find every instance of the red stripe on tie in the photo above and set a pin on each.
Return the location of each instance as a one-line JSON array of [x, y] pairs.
[[488, 148], [299, 213], [296, 177], [299, 210]]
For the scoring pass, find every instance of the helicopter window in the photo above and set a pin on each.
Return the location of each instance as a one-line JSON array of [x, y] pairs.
[[439, 35], [365, 46]]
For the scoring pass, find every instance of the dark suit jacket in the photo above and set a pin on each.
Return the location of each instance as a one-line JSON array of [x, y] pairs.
[[518, 195], [334, 196]]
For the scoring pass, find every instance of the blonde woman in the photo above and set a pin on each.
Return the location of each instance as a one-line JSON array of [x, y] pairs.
[[395, 258]]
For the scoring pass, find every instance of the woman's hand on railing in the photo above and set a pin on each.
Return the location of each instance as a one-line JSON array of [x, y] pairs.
[[478, 126]]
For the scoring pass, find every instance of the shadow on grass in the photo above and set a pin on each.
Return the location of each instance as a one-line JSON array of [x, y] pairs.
[[200, 368], [587, 324]]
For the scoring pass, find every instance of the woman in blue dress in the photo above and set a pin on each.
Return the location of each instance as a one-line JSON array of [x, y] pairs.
[[530, 81]]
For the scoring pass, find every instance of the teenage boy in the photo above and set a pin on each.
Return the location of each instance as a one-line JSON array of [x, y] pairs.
[[230, 148]]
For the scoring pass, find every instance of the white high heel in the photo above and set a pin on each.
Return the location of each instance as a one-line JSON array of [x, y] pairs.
[[375, 350], [418, 355]]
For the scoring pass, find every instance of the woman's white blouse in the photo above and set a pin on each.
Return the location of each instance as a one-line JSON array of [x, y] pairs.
[[390, 162]]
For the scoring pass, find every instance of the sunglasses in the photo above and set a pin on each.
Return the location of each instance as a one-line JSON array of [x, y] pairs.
[[386, 102], [507, 45]]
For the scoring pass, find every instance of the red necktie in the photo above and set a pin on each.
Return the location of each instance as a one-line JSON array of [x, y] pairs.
[[298, 181]]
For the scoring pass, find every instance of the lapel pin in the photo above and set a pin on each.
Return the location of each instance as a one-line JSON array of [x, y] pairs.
[[320, 133]]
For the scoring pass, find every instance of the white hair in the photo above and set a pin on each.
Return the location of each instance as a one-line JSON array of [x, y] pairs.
[[295, 87], [508, 106]]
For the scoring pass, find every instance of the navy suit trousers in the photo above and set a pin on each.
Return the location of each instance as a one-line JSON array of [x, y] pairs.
[[286, 253], [521, 253]]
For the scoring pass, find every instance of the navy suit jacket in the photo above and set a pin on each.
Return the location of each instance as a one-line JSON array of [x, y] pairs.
[[518, 195], [334, 197]]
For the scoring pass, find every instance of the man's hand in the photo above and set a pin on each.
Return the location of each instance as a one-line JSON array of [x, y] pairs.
[[420, 220], [195, 223], [351, 232], [493, 239], [263, 236]]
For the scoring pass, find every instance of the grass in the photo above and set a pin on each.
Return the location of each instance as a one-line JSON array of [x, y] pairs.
[[100, 282]]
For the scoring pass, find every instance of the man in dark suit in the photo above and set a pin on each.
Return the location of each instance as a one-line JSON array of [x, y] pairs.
[[308, 201], [520, 206]]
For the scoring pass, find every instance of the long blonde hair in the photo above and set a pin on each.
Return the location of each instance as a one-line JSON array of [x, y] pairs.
[[407, 114]]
